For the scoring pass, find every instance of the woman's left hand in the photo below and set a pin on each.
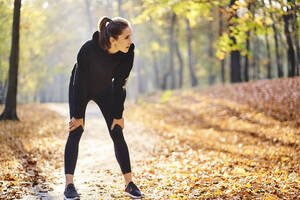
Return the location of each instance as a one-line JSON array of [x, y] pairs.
[[120, 122]]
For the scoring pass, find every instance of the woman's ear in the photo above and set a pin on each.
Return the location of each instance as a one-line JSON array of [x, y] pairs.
[[112, 40]]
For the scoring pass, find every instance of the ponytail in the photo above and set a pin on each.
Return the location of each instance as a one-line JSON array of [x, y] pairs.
[[110, 28], [104, 34]]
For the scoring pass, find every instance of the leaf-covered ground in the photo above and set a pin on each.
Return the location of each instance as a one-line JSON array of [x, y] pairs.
[[235, 142], [28, 150]]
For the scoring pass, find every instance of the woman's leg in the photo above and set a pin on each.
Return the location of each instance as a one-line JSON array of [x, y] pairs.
[[72, 144], [120, 147], [71, 153], [121, 152]]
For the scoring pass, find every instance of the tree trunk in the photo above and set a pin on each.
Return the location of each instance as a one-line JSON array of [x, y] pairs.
[[212, 77], [179, 56], [164, 80], [156, 71], [256, 59], [235, 65], [220, 34], [291, 53], [10, 110], [164, 62], [278, 57], [269, 67], [171, 50], [246, 67], [193, 78], [42, 97], [89, 16], [296, 31]]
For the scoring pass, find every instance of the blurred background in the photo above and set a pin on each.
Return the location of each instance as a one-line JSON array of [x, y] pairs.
[[213, 99], [179, 43]]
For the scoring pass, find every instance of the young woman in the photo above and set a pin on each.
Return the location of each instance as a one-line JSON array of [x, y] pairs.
[[100, 74]]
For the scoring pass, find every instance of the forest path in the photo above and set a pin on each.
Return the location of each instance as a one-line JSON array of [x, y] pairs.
[[97, 173]]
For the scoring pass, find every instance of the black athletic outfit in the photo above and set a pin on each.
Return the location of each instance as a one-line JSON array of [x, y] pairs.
[[99, 76]]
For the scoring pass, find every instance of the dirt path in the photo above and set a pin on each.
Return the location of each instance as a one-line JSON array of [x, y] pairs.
[[97, 173]]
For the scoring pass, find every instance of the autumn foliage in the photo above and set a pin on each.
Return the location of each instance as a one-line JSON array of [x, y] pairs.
[[235, 142], [240, 141], [30, 148]]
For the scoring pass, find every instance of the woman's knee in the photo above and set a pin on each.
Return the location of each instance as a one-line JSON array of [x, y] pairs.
[[117, 134], [76, 133]]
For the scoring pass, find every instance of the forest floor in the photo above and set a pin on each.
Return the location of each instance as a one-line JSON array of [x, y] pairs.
[[223, 142]]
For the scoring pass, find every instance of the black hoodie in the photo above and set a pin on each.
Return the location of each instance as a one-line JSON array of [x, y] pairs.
[[96, 69]]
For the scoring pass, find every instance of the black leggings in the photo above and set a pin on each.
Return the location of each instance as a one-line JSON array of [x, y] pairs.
[[104, 101]]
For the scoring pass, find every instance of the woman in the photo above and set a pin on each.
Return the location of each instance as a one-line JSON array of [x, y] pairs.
[[100, 74]]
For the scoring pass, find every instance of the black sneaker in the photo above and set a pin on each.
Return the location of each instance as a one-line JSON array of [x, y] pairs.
[[70, 192], [133, 191]]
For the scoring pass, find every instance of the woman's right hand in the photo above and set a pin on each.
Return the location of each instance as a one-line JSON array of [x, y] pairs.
[[74, 123]]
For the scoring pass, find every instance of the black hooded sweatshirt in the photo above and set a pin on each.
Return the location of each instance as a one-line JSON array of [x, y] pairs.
[[95, 70]]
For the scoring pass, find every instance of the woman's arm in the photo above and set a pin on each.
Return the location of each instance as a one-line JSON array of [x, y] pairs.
[[80, 83], [120, 77]]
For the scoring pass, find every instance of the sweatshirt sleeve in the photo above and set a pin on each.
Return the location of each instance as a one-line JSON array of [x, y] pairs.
[[80, 84], [120, 77]]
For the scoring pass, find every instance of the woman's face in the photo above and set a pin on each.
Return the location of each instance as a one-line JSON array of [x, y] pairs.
[[124, 40]]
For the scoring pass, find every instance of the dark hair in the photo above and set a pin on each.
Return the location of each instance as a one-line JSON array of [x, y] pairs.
[[110, 28]]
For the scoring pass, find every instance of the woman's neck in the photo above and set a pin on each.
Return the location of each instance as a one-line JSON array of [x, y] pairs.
[[112, 50]]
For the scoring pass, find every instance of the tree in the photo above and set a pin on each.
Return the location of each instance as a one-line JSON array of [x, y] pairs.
[[246, 67], [10, 110], [269, 67], [278, 57], [171, 50], [193, 78], [212, 76], [296, 31], [222, 62], [180, 60], [290, 52], [156, 71], [235, 65]]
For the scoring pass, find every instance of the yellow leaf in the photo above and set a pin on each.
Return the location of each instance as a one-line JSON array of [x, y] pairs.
[[285, 159], [179, 190], [239, 171], [270, 197], [218, 192]]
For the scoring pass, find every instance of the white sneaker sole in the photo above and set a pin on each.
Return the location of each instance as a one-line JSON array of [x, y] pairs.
[[135, 197], [75, 198]]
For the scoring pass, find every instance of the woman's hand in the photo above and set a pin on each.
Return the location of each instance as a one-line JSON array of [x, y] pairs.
[[120, 122], [74, 123]]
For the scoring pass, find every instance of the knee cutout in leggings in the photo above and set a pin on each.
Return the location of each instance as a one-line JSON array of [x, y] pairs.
[[76, 132], [117, 133]]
